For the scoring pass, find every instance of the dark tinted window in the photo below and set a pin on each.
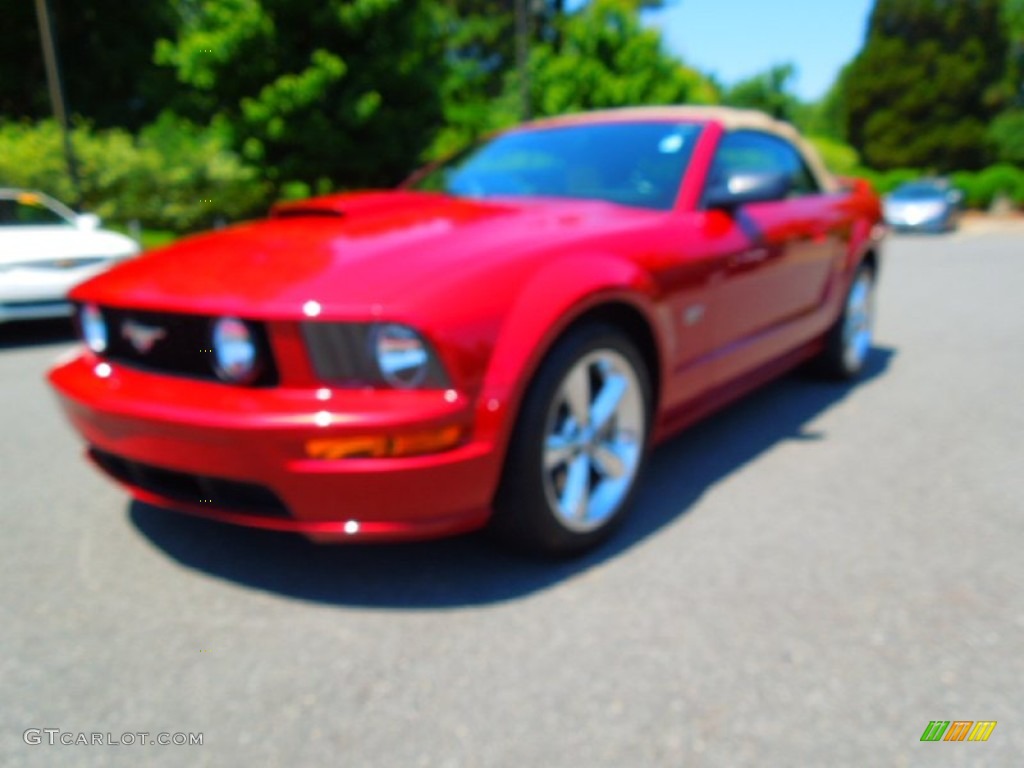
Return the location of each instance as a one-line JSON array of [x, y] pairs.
[[756, 152], [27, 212], [638, 164], [921, 190]]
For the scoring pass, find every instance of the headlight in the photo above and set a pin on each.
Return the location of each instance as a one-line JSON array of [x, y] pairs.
[[94, 328], [401, 355], [373, 355], [235, 358]]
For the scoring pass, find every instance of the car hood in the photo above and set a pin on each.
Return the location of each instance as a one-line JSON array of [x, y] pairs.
[[356, 253], [23, 245]]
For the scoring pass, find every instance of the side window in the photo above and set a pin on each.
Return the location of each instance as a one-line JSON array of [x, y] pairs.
[[27, 212], [748, 151]]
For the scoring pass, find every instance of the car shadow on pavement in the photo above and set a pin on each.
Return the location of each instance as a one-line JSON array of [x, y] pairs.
[[36, 333], [469, 570]]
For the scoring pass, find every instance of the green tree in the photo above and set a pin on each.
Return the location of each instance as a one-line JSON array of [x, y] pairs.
[[770, 91], [607, 59], [827, 116], [479, 52], [1006, 134], [171, 175], [325, 93], [106, 52], [1013, 19], [920, 92], [594, 56]]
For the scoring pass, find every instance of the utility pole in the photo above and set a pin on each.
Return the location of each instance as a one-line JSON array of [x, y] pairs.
[[523, 58], [56, 87]]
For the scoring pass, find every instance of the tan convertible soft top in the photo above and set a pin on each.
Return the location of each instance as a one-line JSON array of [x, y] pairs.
[[730, 118]]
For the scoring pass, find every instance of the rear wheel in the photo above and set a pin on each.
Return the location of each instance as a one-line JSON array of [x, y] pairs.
[[849, 341], [578, 446]]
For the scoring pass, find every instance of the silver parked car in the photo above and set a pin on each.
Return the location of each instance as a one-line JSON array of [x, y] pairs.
[[925, 205]]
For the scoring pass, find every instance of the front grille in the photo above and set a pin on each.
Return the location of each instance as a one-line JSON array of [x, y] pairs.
[[181, 344], [215, 492]]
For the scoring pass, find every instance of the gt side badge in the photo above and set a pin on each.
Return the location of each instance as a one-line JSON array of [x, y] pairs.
[[693, 314]]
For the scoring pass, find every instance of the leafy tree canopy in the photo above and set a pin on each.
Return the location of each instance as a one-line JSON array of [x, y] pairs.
[[925, 84], [607, 59], [771, 92], [105, 49], [315, 89]]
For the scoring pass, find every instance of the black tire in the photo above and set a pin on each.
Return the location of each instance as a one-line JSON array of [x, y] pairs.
[[529, 511], [846, 351]]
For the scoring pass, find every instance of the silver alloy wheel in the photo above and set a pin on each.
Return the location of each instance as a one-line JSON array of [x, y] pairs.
[[593, 440], [859, 321]]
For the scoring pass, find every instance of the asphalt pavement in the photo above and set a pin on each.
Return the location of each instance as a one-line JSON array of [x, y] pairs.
[[809, 579]]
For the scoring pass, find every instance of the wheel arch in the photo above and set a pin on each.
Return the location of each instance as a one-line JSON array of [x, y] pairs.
[[624, 316], [565, 296], [871, 259]]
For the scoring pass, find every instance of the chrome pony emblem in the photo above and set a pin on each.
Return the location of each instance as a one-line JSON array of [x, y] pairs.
[[141, 337]]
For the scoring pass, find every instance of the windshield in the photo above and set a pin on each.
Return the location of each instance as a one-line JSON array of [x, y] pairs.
[[637, 164], [920, 191]]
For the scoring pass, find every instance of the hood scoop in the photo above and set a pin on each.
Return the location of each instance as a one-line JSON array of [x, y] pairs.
[[302, 211], [357, 204]]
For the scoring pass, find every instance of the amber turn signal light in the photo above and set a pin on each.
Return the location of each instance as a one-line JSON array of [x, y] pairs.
[[384, 446]]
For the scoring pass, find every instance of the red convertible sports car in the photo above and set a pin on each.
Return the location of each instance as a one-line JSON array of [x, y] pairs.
[[496, 343]]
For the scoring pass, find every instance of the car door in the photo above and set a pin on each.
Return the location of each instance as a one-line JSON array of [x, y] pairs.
[[776, 273]]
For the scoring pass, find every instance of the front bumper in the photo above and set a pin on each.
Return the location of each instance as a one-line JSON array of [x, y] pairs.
[[168, 438], [912, 221]]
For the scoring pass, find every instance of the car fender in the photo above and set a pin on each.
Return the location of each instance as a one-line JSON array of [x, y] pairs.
[[867, 229], [558, 295]]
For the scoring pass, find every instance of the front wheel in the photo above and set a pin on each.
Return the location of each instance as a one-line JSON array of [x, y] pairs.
[[849, 341], [578, 446]]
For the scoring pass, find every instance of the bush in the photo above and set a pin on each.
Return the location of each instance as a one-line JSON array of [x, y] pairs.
[[173, 175], [33, 157], [983, 188]]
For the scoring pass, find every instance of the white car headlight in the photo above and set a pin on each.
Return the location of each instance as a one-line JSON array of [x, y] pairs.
[[94, 328], [235, 354], [384, 354], [401, 355]]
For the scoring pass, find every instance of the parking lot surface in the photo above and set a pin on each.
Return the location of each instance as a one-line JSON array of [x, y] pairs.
[[809, 579]]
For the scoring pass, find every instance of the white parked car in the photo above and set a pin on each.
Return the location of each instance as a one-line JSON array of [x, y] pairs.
[[45, 250]]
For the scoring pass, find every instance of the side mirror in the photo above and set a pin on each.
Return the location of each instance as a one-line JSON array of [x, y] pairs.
[[744, 188], [87, 221]]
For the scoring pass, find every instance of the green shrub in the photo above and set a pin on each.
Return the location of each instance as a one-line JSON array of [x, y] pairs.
[[173, 175], [33, 157], [996, 181], [984, 187]]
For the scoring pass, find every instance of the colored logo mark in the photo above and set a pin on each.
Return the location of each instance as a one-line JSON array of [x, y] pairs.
[[958, 730]]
